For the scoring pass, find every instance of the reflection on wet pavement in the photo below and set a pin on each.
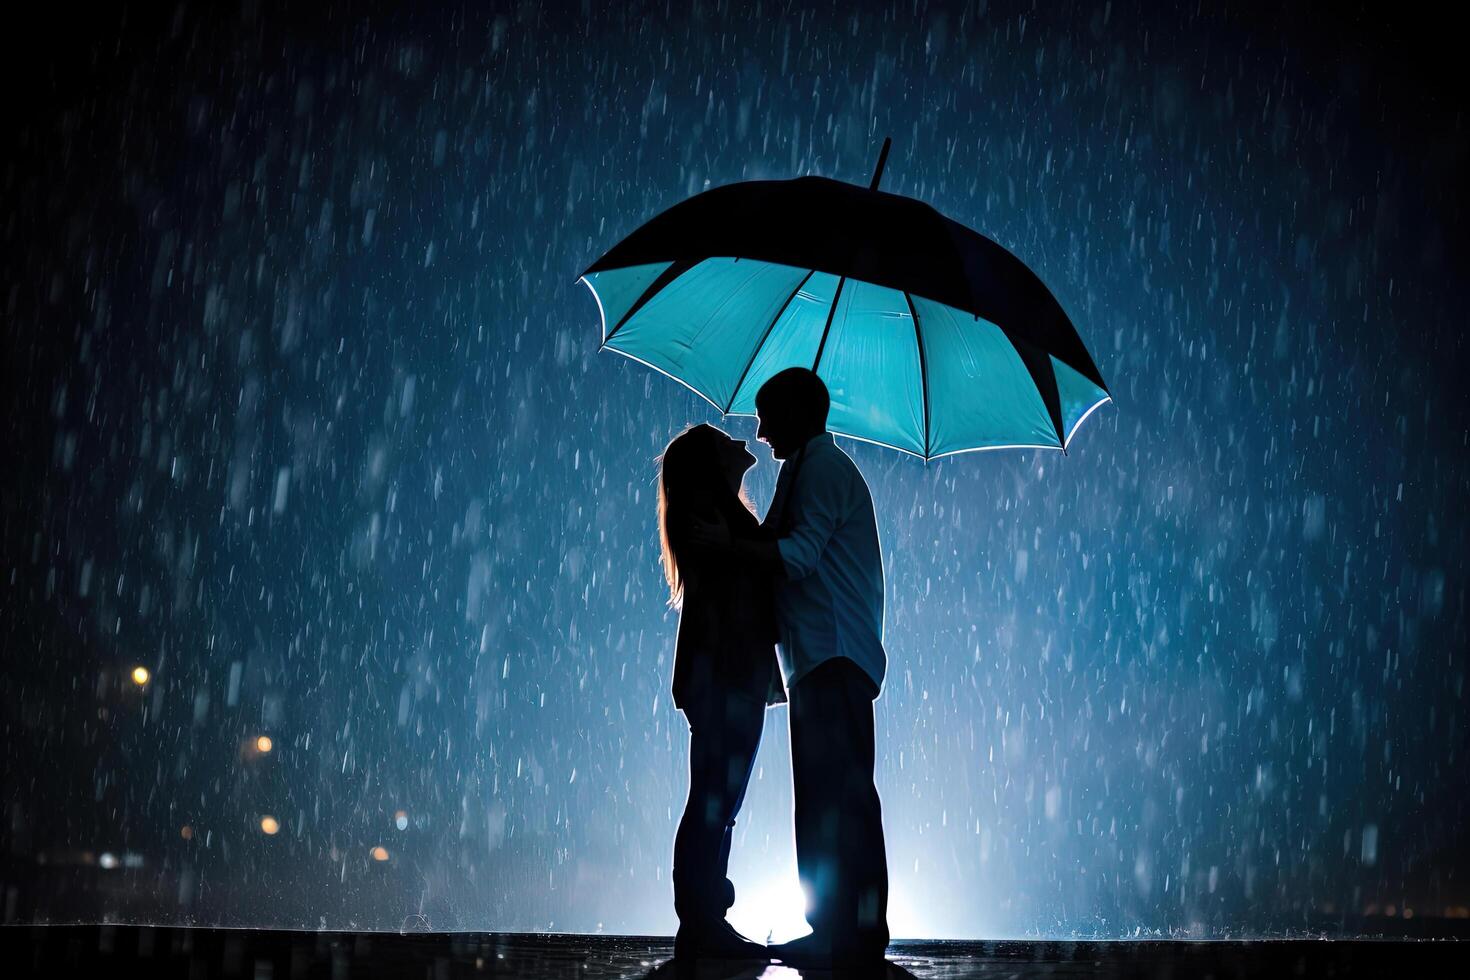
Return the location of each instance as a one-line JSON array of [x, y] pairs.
[[203, 954]]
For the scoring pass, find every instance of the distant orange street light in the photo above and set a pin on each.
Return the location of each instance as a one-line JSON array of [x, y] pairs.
[[269, 824], [263, 744], [141, 675], [380, 853]]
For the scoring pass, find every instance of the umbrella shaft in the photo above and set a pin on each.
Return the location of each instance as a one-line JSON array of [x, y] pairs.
[[882, 159]]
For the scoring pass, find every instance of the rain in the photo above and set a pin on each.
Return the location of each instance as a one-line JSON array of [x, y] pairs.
[[331, 593]]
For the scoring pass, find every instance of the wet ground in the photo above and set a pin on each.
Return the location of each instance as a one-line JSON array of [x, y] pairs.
[[204, 954]]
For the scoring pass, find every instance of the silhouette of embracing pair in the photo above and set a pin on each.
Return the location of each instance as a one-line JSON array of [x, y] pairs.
[[807, 581]]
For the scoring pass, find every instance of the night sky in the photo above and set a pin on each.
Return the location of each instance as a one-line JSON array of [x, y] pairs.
[[304, 413]]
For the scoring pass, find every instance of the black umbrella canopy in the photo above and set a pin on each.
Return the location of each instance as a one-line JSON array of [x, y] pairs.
[[865, 234]]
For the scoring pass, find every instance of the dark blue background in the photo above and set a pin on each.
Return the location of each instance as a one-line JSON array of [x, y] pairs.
[[304, 411]]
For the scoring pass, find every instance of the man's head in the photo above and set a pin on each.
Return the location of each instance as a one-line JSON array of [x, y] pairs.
[[792, 407]]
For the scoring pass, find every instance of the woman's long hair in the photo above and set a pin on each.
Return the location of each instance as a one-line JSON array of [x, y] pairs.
[[691, 482]]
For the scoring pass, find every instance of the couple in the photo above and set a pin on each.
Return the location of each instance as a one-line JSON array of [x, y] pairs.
[[810, 576]]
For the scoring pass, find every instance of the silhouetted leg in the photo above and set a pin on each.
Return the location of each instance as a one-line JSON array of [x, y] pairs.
[[839, 821], [724, 734], [746, 726]]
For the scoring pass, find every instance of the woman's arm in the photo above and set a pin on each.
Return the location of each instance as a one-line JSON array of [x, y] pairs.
[[716, 540]]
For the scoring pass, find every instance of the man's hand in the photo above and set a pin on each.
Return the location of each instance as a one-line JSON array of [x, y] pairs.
[[703, 534]]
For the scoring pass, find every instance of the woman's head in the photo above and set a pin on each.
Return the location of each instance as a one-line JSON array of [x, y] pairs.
[[700, 472]]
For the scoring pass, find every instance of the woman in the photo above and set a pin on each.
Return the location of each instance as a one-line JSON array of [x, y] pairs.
[[725, 674]]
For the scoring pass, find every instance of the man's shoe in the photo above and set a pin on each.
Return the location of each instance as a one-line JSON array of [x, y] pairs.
[[716, 940], [811, 951], [816, 952]]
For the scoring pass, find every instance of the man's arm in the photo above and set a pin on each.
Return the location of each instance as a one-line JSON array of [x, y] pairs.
[[715, 540], [824, 503], [763, 554]]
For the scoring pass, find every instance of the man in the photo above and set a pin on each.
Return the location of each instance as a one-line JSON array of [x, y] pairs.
[[830, 612]]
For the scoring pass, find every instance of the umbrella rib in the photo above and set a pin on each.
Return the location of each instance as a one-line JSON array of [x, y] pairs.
[[836, 298], [1038, 365], [674, 271], [762, 342], [923, 367]]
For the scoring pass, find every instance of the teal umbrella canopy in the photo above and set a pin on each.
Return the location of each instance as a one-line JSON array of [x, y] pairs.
[[931, 338]]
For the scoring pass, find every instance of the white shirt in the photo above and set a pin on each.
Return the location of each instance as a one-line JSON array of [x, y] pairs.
[[831, 604]]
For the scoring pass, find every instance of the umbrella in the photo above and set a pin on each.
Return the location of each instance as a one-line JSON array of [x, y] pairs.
[[931, 338]]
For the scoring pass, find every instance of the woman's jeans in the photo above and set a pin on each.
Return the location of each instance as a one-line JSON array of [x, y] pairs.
[[724, 733]]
